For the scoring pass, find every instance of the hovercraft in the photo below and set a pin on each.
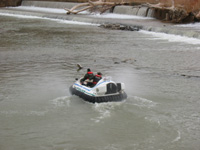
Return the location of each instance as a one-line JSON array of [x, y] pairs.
[[105, 90]]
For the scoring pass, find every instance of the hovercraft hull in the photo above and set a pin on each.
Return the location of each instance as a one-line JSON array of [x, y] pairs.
[[99, 99]]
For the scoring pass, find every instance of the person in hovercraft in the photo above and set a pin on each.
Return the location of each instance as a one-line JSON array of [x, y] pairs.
[[89, 76], [97, 78]]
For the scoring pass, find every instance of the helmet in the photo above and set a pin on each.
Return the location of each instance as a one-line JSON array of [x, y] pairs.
[[99, 73]]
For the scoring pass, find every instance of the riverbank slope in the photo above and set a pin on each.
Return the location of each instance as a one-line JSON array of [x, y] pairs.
[[148, 24]]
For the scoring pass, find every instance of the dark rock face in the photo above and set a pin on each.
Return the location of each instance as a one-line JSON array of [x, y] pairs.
[[5, 3]]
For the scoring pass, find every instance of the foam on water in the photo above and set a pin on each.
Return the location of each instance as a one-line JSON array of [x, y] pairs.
[[173, 38], [105, 109], [40, 9], [190, 25], [118, 16], [20, 16], [45, 18], [61, 101]]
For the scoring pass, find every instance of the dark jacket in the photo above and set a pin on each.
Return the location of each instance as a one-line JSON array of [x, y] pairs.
[[96, 78], [88, 75]]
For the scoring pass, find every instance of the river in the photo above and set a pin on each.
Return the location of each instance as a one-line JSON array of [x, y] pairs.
[[38, 60]]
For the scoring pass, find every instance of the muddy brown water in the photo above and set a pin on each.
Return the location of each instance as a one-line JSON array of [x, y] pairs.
[[38, 64]]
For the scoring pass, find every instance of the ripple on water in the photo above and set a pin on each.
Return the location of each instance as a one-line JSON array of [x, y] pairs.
[[141, 102], [61, 101]]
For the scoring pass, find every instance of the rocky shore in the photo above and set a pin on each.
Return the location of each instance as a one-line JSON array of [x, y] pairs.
[[6, 3], [148, 24], [120, 27], [178, 11]]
